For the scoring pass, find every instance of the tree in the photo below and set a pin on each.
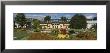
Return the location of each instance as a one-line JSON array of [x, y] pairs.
[[29, 23], [63, 19], [14, 24], [95, 27], [36, 24], [47, 18], [95, 18], [78, 22], [20, 19]]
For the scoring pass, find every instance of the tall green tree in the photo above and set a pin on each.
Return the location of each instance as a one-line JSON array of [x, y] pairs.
[[63, 19], [94, 26], [47, 18], [36, 25], [78, 21], [95, 18], [14, 24], [20, 19]]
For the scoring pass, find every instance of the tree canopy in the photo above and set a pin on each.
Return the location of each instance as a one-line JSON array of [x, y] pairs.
[[47, 18], [63, 19], [78, 21], [36, 23], [20, 19], [95, 18]]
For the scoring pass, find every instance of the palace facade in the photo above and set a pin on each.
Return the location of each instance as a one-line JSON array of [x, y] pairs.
[[58, 23]]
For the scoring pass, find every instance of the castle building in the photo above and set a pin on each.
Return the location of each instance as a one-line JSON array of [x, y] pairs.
[[58, 23]]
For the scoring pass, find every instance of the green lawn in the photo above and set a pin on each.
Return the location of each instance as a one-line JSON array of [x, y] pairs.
[[20, 35]]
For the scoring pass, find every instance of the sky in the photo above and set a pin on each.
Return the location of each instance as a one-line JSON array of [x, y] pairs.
[[41, 16]]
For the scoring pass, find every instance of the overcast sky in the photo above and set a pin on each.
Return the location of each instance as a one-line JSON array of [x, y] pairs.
[[41, 16]]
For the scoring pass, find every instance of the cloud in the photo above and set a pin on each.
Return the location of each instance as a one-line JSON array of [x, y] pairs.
[[68, 16], [39, 17], [90, 17], [53, 14]]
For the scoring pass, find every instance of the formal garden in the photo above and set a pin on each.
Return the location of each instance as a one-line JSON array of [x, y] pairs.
[[32, 30]]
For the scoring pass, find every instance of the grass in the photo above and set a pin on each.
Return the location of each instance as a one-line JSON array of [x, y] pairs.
[[20, 34]]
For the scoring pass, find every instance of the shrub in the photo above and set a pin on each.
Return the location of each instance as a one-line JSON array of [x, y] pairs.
[[71, 32], [63, 31], [23, 29], [86, 36], [54, 32], [36, 30]]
